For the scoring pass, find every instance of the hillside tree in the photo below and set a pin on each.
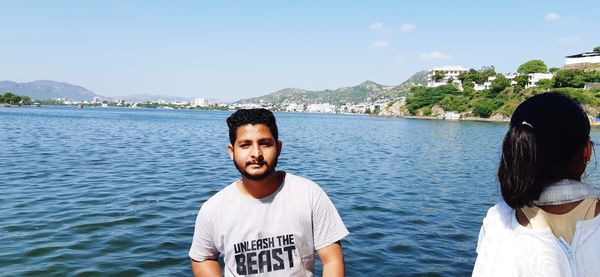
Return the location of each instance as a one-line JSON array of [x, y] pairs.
[[438, 76], [499, 84], [533, 66], [569, 78]]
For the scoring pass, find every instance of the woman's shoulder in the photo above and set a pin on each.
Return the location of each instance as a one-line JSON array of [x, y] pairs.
[[499, 213]]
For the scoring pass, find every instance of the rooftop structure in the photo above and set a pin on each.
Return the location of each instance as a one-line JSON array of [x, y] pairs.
[[582, 59]]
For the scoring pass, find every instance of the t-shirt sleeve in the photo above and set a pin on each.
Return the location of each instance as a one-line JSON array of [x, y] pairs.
[[203, 247], [328, 226]]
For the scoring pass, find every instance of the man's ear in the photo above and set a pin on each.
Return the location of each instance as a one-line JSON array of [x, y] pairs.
[[230, 151], [279, 147]]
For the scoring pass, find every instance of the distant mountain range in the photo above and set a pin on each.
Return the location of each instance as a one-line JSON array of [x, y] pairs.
[[368, 91], [45, 89]]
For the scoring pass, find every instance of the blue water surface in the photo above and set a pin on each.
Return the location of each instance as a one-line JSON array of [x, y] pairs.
[[115, 192]]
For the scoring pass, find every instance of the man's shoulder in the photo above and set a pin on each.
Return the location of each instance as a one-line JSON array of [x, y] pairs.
[[218, 199], [301, 183]]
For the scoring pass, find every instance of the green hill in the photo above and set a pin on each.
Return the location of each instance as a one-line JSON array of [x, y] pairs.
[[368, 91], [502, 97]]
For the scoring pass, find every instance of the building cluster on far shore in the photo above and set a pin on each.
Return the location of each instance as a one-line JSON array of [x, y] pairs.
[[295, 107], [201, 103], [439, 76], [449, 75]]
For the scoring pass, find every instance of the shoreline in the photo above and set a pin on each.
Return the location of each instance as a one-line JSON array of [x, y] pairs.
[[4, 105], [421, 117], [594, 124]]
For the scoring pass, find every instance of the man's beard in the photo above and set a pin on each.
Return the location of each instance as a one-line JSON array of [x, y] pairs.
[[270, 170]]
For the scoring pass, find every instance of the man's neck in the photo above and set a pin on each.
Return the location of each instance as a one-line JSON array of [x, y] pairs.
[[258, 189]]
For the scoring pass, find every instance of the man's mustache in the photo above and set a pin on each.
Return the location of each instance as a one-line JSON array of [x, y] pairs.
[[255, 163]]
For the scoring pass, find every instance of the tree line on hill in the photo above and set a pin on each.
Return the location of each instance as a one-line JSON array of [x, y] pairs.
[[502, 97]]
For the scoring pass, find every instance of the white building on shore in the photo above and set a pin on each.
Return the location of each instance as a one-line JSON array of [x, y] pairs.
[[452, 115], [181, 103], [449, 73], [590, 86], [353, 108], [534, 78], [378, 106], [200, 102], [295, 107], [582, 59], [321, 108], [488, 83], [247, 106]]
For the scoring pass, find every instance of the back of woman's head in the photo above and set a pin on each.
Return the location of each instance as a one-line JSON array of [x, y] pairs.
[[545, 141]]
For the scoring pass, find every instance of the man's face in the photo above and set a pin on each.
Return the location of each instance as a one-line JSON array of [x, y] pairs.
[[255, 151]]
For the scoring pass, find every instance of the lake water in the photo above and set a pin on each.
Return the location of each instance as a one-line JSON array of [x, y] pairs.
[[115, 192]]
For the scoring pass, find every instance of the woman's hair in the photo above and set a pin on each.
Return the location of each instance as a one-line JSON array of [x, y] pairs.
[[545, 140]]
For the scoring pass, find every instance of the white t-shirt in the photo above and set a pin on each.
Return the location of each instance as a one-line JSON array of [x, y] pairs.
[[273, 236], [505, 248]]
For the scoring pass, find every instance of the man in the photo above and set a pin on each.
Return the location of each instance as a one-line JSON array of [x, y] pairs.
[[270, 222]]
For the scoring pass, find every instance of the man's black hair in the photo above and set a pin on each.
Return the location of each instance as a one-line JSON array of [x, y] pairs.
[[544, 144], [252, 117]]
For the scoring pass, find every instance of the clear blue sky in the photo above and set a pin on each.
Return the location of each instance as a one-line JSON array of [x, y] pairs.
[[240, 49]]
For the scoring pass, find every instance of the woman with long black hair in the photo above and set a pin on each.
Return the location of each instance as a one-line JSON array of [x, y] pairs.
[[548, 223]]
